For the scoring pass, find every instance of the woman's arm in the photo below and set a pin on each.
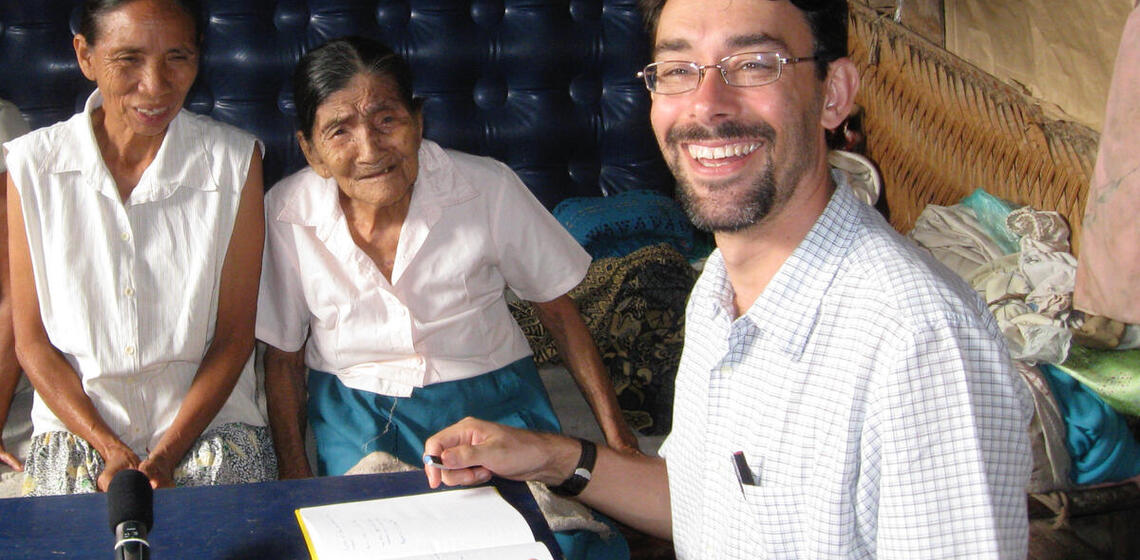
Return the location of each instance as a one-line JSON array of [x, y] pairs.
[[560, 316], [57, 383], [286, 395], [9, 366], [233, 334]]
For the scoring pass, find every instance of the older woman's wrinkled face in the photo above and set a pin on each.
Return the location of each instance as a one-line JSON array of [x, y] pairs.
[[144, 61], [368, 139]]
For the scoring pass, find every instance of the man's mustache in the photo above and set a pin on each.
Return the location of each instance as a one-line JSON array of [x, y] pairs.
[[723, 131]]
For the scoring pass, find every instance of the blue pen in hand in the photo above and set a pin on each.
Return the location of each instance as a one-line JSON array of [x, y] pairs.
[[437, 462]]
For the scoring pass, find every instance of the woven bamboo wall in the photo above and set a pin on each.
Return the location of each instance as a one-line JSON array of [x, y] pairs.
[[939, 127]]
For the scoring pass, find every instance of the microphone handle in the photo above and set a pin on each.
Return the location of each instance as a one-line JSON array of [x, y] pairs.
[[130, 541]]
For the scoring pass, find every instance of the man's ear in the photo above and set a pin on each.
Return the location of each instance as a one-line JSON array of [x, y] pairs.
[[839, 90], [84, 51], [312, 156]]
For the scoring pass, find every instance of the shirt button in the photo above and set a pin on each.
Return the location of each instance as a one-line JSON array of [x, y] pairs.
[[130, 350], [126, 236], [128, 291]]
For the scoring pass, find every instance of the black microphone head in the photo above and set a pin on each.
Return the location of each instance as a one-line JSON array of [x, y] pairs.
[[130, 498]]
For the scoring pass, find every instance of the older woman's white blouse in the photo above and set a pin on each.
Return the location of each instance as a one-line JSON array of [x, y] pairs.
[[128, 291], [473, 228]]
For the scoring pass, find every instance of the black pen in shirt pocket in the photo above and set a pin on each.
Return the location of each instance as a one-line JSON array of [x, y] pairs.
[[743, 472]]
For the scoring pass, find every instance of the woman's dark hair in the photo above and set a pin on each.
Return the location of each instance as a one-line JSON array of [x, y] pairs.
[[329, 68], [94, 10], [827, 20]]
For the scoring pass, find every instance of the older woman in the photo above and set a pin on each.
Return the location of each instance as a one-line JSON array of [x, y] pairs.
[[390, 256], [136, 235]]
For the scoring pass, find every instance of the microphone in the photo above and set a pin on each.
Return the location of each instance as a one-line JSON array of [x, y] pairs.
[[130, 509]]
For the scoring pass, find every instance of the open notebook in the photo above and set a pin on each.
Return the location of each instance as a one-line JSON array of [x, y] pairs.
[[464, 524]]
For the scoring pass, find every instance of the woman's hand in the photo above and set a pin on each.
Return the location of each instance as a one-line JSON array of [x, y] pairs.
[[115, 459], [10, 459], [159, 470], [620, 437], [226, 356], [560, 316]]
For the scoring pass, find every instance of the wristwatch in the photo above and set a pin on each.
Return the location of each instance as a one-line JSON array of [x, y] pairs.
[[577, 482]]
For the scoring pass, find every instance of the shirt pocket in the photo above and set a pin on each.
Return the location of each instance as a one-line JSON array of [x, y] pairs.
[[775, 518]]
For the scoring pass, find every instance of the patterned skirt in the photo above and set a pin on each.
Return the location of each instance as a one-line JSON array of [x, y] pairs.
[[63, 463]]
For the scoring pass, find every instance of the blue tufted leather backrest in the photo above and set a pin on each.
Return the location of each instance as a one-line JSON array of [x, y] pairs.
[[547, 86]]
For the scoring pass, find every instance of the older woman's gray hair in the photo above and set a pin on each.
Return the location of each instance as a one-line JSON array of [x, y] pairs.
[[329, 68]]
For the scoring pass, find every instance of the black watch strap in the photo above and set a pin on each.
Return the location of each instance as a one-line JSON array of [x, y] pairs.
[[577, 482]]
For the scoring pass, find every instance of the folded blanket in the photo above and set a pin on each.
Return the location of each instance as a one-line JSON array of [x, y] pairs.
[[1099, 441], [615, 226]]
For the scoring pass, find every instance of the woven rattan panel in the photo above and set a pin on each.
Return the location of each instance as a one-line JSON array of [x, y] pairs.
[[939, 127]]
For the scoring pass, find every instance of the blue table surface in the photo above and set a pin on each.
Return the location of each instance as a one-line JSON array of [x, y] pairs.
[[253, 521]]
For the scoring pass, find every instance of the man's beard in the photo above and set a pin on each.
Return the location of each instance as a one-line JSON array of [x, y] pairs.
[[751, 206]]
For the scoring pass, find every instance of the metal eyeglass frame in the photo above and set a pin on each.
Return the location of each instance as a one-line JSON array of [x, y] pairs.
[[644, 74]]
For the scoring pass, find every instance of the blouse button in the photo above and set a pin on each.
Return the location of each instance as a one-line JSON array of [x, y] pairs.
[[126, 236], [130, 350], [128, 291]]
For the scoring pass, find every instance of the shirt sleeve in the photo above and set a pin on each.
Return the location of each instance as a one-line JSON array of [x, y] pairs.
[[950, 427], [282, 314], [538, 258]]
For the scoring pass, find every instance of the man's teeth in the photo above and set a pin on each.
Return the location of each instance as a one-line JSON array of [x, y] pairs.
[[152, 112], [721, 152]]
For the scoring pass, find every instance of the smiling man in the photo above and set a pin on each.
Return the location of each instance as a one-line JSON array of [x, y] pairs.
[[840, 395]]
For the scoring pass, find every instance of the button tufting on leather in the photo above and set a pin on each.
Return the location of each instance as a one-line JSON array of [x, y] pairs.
[[487, 13], [547, 86], [390, 14]]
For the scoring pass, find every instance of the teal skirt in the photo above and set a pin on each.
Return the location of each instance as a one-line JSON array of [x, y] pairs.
[[348, 424]]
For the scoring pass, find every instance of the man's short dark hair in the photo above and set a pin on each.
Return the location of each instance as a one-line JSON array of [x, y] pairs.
[[827, 20]]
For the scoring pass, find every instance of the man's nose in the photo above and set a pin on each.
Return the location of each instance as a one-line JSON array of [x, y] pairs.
[[714, 99]]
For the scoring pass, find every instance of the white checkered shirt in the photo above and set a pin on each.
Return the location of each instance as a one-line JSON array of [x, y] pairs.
[[874, 401]]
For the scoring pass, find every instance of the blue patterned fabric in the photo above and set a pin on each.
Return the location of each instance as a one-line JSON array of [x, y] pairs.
[[1098, 438], [615, 226]]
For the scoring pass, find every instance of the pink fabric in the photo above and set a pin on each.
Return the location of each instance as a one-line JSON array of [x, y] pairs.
[[1108, 270]]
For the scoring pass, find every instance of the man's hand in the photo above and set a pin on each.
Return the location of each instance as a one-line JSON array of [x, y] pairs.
[[473, 450]]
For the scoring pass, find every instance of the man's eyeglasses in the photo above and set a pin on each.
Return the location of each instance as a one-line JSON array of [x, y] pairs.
[[671, 77]]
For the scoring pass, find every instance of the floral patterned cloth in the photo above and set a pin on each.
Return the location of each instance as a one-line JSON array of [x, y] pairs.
[[63, 463], [634, 307]]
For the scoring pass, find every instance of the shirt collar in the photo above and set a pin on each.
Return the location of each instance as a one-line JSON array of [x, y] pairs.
[[787, 310], [182, 160], [437, 185]]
